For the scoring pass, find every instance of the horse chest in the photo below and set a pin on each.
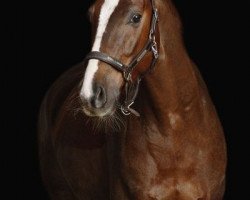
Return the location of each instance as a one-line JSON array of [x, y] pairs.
[[176, 189], [145, 181], [150, 170], [157, 187]]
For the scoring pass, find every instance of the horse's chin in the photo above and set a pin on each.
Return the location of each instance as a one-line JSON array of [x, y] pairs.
[[98, 113]]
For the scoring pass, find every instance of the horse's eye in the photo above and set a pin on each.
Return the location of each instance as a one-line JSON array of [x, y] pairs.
[[136, 18]]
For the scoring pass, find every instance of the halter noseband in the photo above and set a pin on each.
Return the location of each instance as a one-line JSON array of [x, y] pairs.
[[131, 88]]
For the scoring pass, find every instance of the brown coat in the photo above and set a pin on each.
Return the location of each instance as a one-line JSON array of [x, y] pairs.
[[175, 150]]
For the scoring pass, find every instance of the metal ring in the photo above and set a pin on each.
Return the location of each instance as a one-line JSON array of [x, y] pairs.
[[127, 75], [125, 111]]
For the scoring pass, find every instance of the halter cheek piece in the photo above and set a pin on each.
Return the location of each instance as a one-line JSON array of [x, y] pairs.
[[131, 88]]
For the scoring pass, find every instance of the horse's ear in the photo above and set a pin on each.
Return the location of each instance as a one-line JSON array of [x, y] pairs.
[[90, 13]]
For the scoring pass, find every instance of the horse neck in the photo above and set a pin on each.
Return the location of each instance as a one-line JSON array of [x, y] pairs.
[[174, 89], [171, 89]]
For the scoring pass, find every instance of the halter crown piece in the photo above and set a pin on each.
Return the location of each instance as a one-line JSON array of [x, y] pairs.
[[132, 87]]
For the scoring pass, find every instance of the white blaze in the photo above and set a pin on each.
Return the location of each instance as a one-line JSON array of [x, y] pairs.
[[107, 9]]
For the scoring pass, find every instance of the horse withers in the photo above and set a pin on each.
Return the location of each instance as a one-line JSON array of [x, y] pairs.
[[134, 120]]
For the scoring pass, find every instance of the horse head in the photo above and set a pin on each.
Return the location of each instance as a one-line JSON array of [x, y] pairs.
[[123, 49]]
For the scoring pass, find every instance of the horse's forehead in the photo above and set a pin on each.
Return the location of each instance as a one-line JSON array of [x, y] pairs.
[[107, 8], [110, 4]]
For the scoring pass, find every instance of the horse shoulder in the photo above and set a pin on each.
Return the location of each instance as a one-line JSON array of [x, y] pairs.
[[72, 159]]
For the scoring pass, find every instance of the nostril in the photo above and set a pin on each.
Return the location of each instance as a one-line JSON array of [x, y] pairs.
[[99, 93], [99, 98]]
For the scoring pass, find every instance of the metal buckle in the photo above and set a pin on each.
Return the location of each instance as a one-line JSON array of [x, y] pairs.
[[155, 49], [156, 15]]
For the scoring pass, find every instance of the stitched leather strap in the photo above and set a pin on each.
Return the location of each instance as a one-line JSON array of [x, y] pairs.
[[107, 59]]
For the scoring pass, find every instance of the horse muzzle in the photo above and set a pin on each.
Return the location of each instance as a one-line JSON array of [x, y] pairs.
[[101, 103]]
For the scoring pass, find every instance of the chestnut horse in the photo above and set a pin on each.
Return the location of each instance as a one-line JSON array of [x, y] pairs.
[[134, 120]]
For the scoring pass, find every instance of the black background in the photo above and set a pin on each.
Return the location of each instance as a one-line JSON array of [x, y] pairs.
[[51, 36]]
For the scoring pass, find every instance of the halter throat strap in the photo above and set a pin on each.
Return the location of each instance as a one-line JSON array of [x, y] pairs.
[[131, 88]]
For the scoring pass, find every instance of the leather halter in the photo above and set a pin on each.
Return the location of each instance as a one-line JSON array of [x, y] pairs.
[[131, 88]]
